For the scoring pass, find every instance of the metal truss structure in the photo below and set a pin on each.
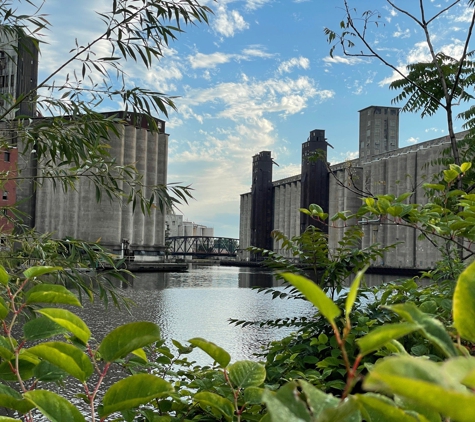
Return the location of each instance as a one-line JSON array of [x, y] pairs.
[[202, 246]]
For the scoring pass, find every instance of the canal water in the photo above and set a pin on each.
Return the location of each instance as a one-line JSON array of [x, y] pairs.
[[199, 303]]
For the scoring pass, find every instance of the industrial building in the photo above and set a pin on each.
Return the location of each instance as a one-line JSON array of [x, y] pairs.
[[77, 213], [382, 167]]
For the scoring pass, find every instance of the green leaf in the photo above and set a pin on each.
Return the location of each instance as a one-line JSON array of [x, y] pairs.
[[465, 166], [41, 328], [403, 197], [246, 373], [26, 366], [382, 409], [4, 276], [450, 175], [51, 293], [47, 372], [11, 399], [408, 404], [54, 407], [425, 383], [128, 338], [350, 299], [433, 186], [298, 401], [33, 272], [132, 392], [315, 295], [221, 404], [345, 411], [69, 321], [377, 338], [218, 354], [4, 310], [66, 357], [431, 328], [253, 395], [464, 304]]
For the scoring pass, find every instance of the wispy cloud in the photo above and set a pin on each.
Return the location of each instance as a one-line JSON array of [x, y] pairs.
[[287, 66], [343, 60], [250, 98], [401, 33], [210, 61]]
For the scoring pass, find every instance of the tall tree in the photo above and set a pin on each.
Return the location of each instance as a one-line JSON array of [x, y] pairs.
[[441, 82]]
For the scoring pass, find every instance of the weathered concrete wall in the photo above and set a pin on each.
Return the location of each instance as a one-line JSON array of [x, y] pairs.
[[245, 227], [395, 172], [78, 214], [286, 214]]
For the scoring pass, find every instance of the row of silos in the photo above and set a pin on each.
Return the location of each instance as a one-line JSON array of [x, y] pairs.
[[78, 214]]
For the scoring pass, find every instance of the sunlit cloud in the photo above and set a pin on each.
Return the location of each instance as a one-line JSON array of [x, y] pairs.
[[227, 23], [287, 66]]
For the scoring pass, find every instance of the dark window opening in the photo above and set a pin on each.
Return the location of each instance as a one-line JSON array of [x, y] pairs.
[[5, 195], [6, 156]]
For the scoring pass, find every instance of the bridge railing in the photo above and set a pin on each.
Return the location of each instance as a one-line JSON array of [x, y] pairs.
[[202, 245]]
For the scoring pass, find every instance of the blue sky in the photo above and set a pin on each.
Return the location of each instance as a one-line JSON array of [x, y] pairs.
[[260, 77]]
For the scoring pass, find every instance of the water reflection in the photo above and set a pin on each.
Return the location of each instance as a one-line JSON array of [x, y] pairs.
[[200, 303]]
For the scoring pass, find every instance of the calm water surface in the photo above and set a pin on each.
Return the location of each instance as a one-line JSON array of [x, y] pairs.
[[199, 303]]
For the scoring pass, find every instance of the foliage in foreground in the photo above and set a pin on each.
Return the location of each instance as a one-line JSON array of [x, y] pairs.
[[383, 377], [399, 353]]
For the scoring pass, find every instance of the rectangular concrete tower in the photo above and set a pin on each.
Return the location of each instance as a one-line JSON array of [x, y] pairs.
[[379, 131], [262, 201], [314, 177]]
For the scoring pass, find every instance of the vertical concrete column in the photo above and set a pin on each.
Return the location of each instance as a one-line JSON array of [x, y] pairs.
[[286, 210], [129, 136], [293, 209], [392, 232], [150, 178], [298, 201], [162, 169], [277, 217], [244, 226], [140, 163]]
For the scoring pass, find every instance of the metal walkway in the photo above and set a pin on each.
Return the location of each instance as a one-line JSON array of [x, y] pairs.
[[202, 246]]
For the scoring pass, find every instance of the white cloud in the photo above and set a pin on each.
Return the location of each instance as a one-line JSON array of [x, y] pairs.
[[343, 60], [255, 4], [464, 16], [420, 53], [249, 99], [210, 61], [412, 140], [227, 23], [256, 51], [344, 156], [399, 33], [200, 60], [289, 170], [287, 66]]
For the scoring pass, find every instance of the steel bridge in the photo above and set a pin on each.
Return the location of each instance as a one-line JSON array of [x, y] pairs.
[[202, 246]]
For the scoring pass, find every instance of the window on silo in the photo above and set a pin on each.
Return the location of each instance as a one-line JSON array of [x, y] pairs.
[[5, 195]]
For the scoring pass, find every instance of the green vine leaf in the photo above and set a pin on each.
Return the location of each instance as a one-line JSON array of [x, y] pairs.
[[127, 338], [132, 392], [54, 407], [69, 321], [247, 373], [464, 304], [217, 353], [315, 295]]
